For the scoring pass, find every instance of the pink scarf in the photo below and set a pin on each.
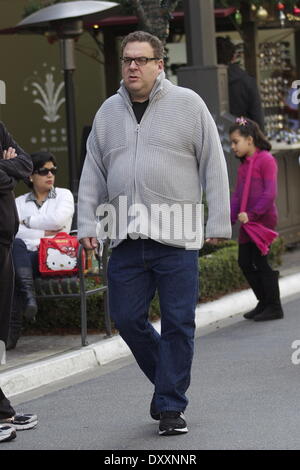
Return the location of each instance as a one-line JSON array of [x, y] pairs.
[[259, 233]]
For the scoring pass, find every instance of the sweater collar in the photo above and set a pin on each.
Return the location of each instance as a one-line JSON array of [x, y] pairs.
[[161, 85], [32, 197]]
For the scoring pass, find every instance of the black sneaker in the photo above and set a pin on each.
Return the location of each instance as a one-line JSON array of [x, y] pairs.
[[22, 422], [7, 432], [172, 423]]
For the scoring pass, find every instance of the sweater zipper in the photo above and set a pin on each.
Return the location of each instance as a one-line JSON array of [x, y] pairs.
[[137, 130]]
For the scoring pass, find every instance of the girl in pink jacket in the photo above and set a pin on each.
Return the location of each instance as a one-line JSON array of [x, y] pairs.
[[248, 142]]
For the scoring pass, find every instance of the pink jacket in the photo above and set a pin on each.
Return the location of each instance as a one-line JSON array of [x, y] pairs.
[[263, 191]]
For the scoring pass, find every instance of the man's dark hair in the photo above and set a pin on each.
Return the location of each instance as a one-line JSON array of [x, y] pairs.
[[39, 159], [143, 36], [225, 50]]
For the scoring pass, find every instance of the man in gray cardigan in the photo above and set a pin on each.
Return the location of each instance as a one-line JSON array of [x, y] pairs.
[[153, 149]]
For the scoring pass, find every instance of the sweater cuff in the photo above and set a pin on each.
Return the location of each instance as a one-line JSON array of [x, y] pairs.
[[26, 222]]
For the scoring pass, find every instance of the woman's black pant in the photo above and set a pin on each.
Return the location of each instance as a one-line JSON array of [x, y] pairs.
[[6, 289], [6, 293]]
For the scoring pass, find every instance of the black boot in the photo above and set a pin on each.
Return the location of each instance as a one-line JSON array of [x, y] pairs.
[[15, 324], [273, 309], [25, 286], [254, 280]]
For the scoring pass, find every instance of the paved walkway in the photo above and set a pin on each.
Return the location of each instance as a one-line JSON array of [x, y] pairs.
[[39, 360], [244, 395]]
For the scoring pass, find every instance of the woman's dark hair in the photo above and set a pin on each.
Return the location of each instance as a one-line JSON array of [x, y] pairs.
[[248, 128], [39, 159]]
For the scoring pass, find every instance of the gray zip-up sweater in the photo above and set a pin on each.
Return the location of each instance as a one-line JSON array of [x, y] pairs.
[[158, 168]]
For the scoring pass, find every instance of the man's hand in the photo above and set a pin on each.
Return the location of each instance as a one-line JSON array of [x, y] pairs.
[[89, 243], [9, 153], [243, 217], [215, 241]]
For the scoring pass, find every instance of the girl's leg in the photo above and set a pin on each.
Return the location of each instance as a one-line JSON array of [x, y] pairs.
[[251, 272], [270, 282]]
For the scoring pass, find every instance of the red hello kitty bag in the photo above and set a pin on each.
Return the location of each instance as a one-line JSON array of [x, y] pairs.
[[58, 255]]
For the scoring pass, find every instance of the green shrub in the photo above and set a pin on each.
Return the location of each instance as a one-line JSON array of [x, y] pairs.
[[276, 252], [220, 273]]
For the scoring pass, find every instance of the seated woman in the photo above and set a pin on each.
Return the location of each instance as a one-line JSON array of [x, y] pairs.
[[43, 212]]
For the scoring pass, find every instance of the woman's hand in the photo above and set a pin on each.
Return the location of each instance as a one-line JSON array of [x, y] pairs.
[[243, 217], [9, 153]]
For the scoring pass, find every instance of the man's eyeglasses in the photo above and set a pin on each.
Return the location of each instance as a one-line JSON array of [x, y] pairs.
[[137, 60], [45, 171]]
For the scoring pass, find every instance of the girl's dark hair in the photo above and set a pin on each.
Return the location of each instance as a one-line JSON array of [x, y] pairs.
[[248, 128], [39, 159]]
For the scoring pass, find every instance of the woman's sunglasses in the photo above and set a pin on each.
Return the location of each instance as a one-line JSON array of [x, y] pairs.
[[45, 171]]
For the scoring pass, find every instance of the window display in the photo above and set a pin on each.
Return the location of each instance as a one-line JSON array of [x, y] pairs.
[[277, 74]]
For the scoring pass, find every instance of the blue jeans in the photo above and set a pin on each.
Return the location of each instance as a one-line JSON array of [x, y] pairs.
[[24, 258], [136, 269]]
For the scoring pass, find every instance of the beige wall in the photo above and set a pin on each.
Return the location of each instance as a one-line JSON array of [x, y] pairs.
[[26, 60]]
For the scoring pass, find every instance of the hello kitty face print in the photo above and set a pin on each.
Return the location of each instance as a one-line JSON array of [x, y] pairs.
[[58, 261]]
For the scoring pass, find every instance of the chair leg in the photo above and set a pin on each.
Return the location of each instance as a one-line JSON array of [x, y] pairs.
[[107, 315], [84, 341]]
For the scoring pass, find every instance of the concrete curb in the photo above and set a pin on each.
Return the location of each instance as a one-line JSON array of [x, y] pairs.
[[44, 372]]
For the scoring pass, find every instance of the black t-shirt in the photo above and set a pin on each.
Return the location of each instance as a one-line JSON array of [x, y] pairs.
[[139, 109]]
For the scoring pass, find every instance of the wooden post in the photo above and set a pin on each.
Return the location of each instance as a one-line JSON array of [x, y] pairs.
[[249, 28], [199, 25], [202, 74], [111, 66]]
